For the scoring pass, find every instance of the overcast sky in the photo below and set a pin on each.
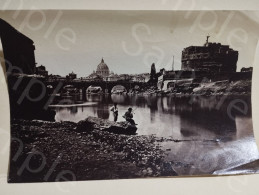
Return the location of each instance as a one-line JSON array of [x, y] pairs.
[[130, 41]]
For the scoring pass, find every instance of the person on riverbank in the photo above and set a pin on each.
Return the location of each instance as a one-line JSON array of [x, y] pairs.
[[129, 116], [114, 109]]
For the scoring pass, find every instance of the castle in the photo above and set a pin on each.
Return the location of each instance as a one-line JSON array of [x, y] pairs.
[[212, 57]]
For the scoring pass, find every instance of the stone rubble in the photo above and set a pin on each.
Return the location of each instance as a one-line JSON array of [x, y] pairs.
[[89, 153]]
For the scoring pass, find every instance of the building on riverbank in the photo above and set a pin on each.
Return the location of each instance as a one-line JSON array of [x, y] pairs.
[[212, 57], [210, 62], [41, 70], [180, 78], [169, 80]]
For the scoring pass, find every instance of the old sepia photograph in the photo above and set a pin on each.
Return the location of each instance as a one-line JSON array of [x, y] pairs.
[[98, 95]]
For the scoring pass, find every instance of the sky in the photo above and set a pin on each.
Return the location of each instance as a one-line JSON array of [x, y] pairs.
[[130, 41]]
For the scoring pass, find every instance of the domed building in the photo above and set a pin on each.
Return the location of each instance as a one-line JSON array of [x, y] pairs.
[[102, 69]]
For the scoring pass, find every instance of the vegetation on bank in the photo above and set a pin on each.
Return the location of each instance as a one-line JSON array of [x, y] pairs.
[[242, 87], [225, 87]]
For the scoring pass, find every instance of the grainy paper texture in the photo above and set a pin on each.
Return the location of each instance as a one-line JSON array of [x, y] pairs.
[[254, 48]]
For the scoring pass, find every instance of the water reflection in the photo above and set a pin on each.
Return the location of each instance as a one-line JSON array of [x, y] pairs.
[[103, 111], [183, 118], [166, 116], [94, 98]]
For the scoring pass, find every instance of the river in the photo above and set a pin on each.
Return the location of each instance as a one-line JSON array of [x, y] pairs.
[[214, 132]]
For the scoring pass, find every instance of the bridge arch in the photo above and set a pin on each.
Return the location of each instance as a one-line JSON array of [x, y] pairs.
[[118, 89], [94, 89], [107, 87]]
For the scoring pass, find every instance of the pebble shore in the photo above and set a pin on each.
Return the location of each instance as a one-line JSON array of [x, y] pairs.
[[86, 155]]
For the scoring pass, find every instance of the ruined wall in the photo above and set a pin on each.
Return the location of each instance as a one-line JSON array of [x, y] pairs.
[[27, 95], [18, 49]]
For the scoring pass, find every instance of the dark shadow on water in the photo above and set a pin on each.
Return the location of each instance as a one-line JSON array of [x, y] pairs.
[[201, 115]]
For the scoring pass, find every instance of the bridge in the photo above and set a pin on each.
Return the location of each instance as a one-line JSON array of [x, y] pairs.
[[107, 86]]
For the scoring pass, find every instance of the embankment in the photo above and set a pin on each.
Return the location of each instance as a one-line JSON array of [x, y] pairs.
[[242, 87]]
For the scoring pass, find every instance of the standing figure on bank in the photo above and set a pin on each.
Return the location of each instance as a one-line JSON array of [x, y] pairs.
[[114, 109], [129, 116]]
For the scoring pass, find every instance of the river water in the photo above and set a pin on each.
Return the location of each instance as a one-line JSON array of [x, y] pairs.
[[213, 133]]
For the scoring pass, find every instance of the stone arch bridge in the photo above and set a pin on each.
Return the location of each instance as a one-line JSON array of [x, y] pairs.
[[106, 86]]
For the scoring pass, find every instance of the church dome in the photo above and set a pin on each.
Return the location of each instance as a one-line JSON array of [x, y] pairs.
[[103, 69]]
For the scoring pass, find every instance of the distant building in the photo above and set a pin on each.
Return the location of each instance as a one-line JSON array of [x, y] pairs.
[[146, 76], [113, 77], [163, 75], [71, 76], [212, 57], [143, 77], [125, 77], [116, 77], [41, 70], [167, 80], [102, 69], [93, 77], [103, 73], [138, 78], [52, 77]]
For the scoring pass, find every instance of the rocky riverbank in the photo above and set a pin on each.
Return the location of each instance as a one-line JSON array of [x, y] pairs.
[[44, 151], [224, 87], [242, 87]]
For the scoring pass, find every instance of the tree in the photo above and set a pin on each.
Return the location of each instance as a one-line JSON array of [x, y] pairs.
[[153, 78]]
